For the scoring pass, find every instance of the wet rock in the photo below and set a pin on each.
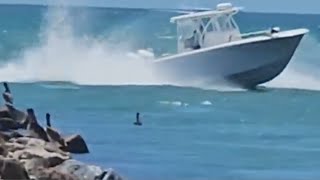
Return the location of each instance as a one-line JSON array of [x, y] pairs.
[[76, 144], [12, 169], [86, 172]]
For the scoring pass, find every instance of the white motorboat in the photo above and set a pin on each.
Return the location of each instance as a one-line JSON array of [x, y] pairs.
[[210, 48]]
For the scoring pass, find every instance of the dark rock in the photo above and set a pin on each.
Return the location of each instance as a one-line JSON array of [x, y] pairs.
[[7, 136], [55, 147], [9, 124], [35, 129], [12, 169], [54, 136], [17, 115], [76, 144], [15, 134], [4, 112], [7, 96]]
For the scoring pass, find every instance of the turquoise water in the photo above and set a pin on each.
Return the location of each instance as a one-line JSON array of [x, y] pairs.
[[81, 65]]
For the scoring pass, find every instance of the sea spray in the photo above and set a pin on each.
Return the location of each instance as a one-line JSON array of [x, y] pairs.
[[302, 71], [61, 56]]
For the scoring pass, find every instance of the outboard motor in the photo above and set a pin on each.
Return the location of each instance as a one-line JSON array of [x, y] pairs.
[[275, 30]]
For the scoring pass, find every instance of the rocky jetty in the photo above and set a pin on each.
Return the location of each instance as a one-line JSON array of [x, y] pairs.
[[29, 151]]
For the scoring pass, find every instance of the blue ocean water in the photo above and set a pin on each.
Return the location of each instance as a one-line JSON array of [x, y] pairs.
[[84, 67]]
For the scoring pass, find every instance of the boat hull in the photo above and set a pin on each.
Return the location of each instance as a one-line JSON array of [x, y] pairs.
[[246, 63]]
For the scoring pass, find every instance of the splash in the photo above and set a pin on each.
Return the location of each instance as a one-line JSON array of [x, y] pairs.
[[302, 72], [63, 57]]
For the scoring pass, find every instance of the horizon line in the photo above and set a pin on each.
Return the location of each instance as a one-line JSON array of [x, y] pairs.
[[146, 8]]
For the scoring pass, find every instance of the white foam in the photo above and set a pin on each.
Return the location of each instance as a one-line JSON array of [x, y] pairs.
[[303, 71], [51, 86], [206, 103], [174, 103], [64, 57], [166, 37]]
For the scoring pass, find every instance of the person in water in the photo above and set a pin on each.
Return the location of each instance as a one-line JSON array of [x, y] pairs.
[[138, 122]]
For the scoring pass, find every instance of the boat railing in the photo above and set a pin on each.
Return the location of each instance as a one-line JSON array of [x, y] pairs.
[[257, 33]]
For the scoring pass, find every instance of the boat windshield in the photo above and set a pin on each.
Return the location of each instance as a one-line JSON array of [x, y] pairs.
[[205, 29]]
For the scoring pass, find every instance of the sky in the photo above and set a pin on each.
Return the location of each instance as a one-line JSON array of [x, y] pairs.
[[285, 6]]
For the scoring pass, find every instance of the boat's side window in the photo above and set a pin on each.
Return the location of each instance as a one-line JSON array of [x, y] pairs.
[[233, 24], [210, 28], [228, 25], [205, 21], [222, 22]]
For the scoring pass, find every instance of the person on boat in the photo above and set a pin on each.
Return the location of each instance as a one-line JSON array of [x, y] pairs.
[[138, 122], [196, 43], [193, 41]]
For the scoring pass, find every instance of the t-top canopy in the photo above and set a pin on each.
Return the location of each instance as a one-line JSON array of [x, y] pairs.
[[223, 8]]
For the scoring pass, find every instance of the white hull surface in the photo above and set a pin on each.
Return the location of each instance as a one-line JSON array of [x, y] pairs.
[[246, 62]]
